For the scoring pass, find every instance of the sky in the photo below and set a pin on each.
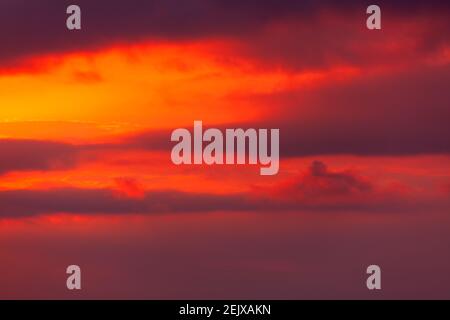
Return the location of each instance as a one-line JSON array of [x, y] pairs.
[[86, 176]]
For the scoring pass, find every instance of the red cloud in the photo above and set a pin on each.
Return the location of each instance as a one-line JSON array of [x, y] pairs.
[[130, 187]]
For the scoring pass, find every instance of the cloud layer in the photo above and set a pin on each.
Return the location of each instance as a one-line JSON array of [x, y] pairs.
[[264, 30], [318, 189]]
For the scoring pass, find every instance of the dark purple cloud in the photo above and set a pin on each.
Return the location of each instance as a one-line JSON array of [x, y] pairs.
[[319, 182], [26, 155], [404, 114], [33, 28], [22, 203]]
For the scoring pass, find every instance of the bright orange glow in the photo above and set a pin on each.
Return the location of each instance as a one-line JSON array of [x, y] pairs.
[[86, 95]]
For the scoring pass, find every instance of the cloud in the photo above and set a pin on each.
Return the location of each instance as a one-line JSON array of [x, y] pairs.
[[130, 187], [319, 182], [227, 256], [318, 190], [399, 114], [318, 33], [23, 203], [394, 114], [19, 155]]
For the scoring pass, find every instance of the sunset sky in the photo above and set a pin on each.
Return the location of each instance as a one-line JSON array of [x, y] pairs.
[[86, 176]]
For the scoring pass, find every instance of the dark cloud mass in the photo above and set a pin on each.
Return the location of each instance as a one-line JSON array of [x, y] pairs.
[[320, 181], [22, 203], [402, 114], [19, 155], [38, 27]]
